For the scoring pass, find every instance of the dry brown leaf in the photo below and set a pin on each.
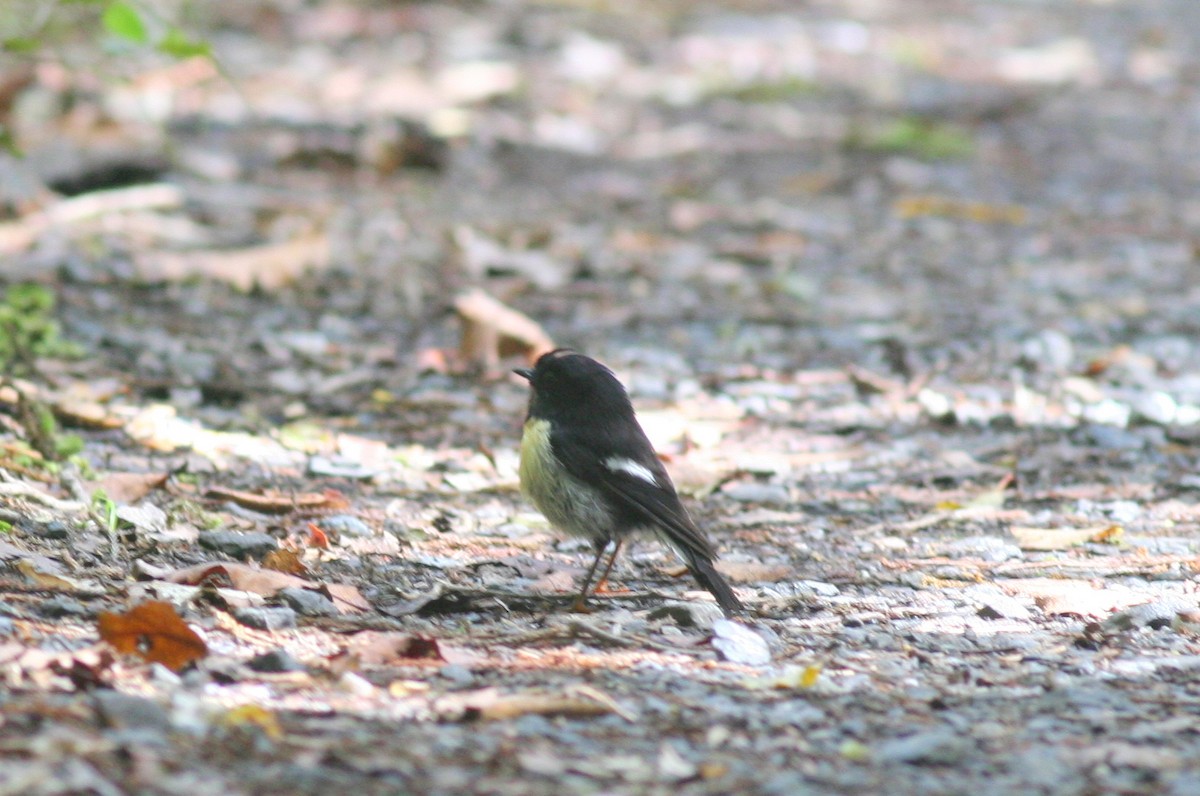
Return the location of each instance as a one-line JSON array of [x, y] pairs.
[[287, 561], [1063, 538], [1109, 359], [754, 572], [979, 212], [253, 716], [241, 576], [490, 330], [555, 582], [130, 487], [347, 598], [269, 267], [317, 537], [1057, 596], [86, 414], [155, 633], [490, 704], [43, 573], [276, 503], [380, 648], [268, 581]]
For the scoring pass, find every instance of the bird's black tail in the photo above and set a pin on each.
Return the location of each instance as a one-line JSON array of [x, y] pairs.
[[706, 575]]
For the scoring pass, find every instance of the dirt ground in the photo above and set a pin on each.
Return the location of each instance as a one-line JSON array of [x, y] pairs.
[[907, 295]]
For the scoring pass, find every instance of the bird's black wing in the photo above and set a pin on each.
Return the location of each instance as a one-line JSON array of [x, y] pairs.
[[636, 483], [642, 494]]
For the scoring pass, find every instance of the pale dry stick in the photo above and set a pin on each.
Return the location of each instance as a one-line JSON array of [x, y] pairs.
[[11, 487], [19, 235]]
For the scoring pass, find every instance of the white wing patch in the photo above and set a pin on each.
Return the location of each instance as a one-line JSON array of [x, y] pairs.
[[630, 467]]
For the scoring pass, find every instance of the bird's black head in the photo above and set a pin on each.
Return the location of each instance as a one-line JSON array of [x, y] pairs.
[[566, 383]]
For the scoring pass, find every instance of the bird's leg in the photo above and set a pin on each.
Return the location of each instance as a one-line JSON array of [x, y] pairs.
[[600, 584], [581, 600]]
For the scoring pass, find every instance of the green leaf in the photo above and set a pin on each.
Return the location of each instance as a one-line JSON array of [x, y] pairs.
[[68, 445], [123, 20], [8, 142], [177, 44], [20, 45]]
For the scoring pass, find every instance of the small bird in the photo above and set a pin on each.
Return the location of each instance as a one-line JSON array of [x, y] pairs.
[[587, 465]]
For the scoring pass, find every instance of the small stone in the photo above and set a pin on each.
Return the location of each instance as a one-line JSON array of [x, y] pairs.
[[689, 614], [819, 588], [1156, 614], [1186, 415], [991, 549], [1122, 511], [737, 643], [1186, 784], [355, 684], [672, 766], [273, 617], [936, 747], [755, 492], [995, 604], [307, 602], [59, 606], [1108, 412], [338, 467], [125, 711], [53, 530], [275, 661], [1000, 607], [457, 674], [1109, 438], [311, 344], [1155, 407], [144, 517], [239, 545], [290, 381], [1050, 351], [936, 405], [346, 525]]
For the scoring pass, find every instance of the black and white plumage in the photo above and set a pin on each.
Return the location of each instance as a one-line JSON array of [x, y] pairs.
[[588, 466]]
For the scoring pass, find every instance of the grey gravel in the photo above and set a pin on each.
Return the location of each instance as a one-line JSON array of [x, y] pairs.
[[129, 711], [307, 602], [266, 617], [239, 545], [274, 661], [758, 493], [935, 747], [346, 524], [60, 606]]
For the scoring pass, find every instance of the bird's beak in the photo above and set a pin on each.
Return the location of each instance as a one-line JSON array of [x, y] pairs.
[[524, 373]]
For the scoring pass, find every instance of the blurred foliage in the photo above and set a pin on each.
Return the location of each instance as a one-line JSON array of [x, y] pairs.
[[28, 331], [919, 137], [768, 91], [30, 27]]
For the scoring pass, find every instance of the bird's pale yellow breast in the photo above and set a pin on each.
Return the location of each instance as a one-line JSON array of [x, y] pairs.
[[570, 505], [535, 457]]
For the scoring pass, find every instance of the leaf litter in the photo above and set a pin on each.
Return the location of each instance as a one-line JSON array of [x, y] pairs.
[[935, 400]]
